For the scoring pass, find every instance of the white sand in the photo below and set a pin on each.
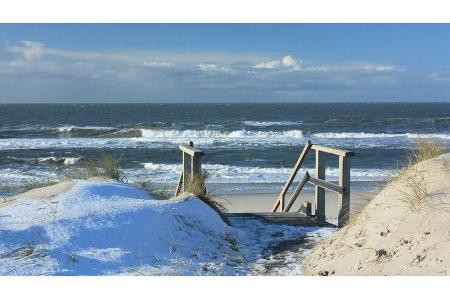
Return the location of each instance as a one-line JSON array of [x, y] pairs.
[[390, 237]]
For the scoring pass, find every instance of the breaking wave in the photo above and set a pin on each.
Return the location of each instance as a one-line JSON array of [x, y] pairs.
[[241, 174], [76, 128], [60, 160], [167, 134], [271, 123], [366, 135]]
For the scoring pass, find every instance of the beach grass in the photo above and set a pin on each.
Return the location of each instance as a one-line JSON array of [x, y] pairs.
[[159, 191], [426, 149], [197, 186], [412, 186], [108, 166]]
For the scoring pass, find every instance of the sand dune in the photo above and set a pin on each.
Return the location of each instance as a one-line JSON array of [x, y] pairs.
[[404, 230]]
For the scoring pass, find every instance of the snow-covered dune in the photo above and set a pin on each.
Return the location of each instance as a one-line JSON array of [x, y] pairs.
[[110, 228], [87, 227]]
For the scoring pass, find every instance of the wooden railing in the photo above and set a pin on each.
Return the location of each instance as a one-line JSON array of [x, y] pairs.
[[343, 188], [192, 166]]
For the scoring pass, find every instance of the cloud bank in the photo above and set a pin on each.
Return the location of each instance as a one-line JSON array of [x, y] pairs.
[[31, 71]]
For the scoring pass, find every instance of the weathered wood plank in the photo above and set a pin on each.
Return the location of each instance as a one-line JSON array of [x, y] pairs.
[[320, 191], [297, 191], [186, 169], [196, 166], [280, 200], [179, 184], [330, 150], [344, 198], [190, 150], [287, 218], [326, 185]]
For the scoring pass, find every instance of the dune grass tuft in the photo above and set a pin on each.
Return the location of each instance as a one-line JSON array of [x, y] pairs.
[[159, 191], [197, 186], [91, 168], [411, 181], [426, 149], [108, 166], [111, 167]]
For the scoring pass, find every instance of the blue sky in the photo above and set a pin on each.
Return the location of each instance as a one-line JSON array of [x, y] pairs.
[[224, 62]]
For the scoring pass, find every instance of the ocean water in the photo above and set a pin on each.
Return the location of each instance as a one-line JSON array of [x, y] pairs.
[[250, 147]]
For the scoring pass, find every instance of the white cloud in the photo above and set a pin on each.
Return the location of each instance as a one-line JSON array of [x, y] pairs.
[[353, 67], [213, 67], [289, 61], [157, 64], [382, 67], [30, 50], [176, 72], [440, 76], [286, 62], [207, 67], [267, 65]]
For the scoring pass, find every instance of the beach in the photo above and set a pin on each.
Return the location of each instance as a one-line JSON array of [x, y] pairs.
[[98, 191]]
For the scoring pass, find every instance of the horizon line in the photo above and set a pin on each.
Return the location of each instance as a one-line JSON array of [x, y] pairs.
[[233, 102]]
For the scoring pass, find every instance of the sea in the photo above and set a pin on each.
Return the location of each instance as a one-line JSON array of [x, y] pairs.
[[248, 147]]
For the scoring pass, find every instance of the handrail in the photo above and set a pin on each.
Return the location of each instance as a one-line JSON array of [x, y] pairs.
[[343, 188], [190, 149], [297, 191], [280, 200], [326, 185], [330, 150]]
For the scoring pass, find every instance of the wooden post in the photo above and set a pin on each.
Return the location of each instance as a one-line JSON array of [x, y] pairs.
[[306, 208], [179, 184], [191, 165], [320, 192], [186, 169], [344, 198], [196, 166]]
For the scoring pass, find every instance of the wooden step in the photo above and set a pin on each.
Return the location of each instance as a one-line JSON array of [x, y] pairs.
[[286, 218]]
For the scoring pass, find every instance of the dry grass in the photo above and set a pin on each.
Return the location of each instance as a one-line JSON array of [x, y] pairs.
[[426, 149], [108, 166], [413, 189], [111, 168], [159, 191], [197, 187], [411, 181], [90, 167]]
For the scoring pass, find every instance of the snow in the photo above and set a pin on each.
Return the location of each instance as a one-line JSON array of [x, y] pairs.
[[99, 228]]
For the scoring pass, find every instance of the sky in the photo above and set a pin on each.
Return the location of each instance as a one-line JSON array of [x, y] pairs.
[[90, 63]]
